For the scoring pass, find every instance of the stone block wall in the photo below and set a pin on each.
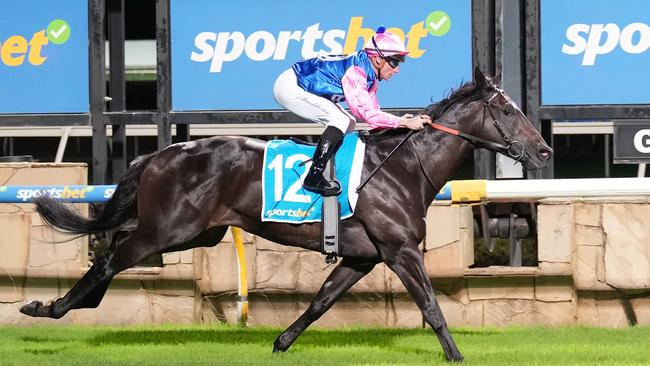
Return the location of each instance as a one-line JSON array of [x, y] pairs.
[[593, 270], [282, 281], [449, 241], [611, 259]]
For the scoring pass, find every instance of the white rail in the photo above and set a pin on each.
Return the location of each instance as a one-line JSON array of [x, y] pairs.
[[535, 189]]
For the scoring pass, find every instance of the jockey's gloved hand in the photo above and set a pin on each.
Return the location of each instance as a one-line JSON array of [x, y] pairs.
[[414, 122]]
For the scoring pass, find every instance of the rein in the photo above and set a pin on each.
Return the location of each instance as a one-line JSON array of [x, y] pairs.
[[474, 139], [509, 143], [487, 104]]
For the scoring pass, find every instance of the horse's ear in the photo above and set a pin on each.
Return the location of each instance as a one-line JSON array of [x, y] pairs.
[[497, 78], [479, 78]]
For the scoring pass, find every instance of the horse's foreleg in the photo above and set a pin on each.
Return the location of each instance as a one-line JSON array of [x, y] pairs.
[[408, 264], [344, 276], [95, 296]]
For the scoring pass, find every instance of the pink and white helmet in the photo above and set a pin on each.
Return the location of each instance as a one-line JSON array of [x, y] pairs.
[[385, 44]]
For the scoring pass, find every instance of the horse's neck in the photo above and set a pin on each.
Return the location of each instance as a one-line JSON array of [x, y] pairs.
[[446, 152], [453, 150]]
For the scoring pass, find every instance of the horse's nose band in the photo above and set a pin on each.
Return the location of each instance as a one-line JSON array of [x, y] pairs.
[[508, 148], [513, 148]]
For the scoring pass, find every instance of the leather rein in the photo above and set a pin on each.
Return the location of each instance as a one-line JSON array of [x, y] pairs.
[[508, 147], [513, 148]]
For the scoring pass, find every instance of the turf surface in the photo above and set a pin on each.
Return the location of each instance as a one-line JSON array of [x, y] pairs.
[[226, 345]]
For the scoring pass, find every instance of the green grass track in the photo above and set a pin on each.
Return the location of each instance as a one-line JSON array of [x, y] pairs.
[[229, 345]]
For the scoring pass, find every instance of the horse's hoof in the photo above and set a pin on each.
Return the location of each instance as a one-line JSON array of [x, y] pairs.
[[31, 309], [456, 358], [278, 348]]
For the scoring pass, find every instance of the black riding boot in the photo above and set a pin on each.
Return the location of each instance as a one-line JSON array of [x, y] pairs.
[[315, 182]]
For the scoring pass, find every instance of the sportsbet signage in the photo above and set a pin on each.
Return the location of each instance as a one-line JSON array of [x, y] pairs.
[[227, 54], [595, 52], [44, 56]]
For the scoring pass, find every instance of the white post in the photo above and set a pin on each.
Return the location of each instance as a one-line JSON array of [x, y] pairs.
[[63, 142], [641, 172]]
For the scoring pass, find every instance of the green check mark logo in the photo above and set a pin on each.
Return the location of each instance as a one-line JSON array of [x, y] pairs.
[[58, 31], [438, 23]]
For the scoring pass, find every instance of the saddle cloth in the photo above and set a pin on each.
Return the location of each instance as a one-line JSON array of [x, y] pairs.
[[283, 197]]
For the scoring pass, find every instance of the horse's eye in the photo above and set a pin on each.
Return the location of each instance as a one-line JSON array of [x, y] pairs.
[[508, 111]]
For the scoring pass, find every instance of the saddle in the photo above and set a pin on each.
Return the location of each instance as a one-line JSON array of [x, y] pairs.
[[284, 199], [302, 142]]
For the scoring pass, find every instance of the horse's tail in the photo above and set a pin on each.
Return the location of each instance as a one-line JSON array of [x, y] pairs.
[[115, 212]]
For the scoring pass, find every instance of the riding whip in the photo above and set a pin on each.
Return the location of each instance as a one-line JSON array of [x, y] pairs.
[[411, 132]]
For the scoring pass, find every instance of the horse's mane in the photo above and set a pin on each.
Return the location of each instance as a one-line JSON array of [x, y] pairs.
[[466, 92]]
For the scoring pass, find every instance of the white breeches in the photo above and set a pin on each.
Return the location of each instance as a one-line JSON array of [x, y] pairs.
[[310, 106]]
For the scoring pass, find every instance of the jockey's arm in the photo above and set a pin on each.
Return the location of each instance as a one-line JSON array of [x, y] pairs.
[[363, 102], [364, 105]]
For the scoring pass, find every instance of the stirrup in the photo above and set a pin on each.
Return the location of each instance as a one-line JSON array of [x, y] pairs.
[[331, 258], [325, 188]]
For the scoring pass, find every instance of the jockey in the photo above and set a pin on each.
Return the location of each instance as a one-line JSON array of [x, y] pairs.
[[313, 89]]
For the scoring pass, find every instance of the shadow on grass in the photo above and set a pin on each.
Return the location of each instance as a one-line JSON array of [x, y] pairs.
[[263, 336], [47, 339], [474, 332], [44, 351]]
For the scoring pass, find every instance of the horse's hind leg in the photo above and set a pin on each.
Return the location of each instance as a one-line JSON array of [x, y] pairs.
[[408, 264], [344, 276], [133, 248], [207, 238], [95, 297], [91, 283]]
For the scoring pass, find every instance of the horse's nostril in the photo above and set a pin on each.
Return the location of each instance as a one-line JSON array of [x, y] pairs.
[[544, 154]]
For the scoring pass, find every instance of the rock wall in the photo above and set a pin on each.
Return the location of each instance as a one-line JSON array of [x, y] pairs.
[[612, 260], [593, 270]]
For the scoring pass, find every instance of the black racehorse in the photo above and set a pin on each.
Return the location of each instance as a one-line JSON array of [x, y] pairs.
[[187, 195]]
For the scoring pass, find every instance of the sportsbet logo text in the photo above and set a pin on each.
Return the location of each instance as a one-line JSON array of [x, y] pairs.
[[223, 47], [17, 48], [58, 193], [600, 39]]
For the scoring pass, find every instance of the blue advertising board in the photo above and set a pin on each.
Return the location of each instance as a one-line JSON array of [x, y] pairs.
[[595, 52], [74, 193], [44, 56], [227, 54]]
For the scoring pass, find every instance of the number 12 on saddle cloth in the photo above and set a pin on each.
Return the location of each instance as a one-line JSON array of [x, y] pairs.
[[283, 197]]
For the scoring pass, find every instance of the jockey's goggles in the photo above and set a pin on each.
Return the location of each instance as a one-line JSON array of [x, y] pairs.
[[393, 60]]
